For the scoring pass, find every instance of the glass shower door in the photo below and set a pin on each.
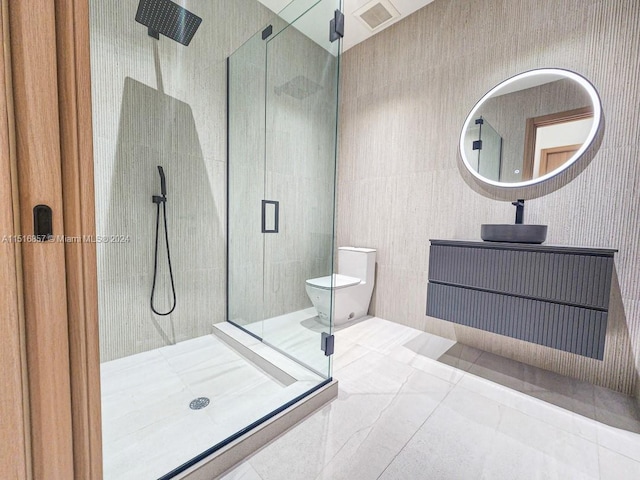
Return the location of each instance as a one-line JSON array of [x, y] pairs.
[[245, 183], [300, 157], [282, 156]]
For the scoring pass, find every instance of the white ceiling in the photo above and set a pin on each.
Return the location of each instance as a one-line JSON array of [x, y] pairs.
[[355, 31]]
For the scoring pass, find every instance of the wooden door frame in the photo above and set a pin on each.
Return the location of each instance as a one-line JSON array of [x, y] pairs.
[[76, 144], [532, 125], [545, 152], [15, 456], [35, 96], [51, 90]]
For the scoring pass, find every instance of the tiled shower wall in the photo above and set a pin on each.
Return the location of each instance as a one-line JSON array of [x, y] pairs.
[[405, 95], [156, 102]]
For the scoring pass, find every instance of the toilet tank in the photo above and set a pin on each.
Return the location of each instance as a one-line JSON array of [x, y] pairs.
[[357, 262]]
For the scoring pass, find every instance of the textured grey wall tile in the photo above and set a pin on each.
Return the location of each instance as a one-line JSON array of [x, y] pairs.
[[156, 102], [406, 93]]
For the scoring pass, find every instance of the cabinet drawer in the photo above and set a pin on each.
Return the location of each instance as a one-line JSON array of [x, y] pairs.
[[564, 327], [575, 279]]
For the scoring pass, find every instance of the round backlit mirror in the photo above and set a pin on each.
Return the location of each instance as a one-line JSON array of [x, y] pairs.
[[530, 127]]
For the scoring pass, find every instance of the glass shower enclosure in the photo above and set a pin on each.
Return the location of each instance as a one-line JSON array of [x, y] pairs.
[[224, 198]]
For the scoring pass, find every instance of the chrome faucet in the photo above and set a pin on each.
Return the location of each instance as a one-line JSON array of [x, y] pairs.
[[519, 204]]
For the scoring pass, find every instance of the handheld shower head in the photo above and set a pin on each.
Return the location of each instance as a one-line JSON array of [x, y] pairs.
[[161, 201], [162, 198], [163, 182]]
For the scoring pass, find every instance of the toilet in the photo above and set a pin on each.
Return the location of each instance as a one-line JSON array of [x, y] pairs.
[[352, 286]]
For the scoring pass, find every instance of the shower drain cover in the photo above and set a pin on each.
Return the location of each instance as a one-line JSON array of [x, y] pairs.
[[199, 403]]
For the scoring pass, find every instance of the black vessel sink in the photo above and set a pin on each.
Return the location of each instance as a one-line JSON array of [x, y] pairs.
[[514, 233]]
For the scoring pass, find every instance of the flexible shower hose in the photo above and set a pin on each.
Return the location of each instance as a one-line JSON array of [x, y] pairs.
[[155, 256]]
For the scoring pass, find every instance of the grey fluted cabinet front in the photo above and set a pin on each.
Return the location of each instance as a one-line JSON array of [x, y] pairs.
[[555, 296]]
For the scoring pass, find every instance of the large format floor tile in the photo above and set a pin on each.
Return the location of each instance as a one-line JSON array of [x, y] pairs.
[[415, 406]]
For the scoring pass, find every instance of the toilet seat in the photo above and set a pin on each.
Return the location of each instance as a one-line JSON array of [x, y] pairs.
[[339, 281]]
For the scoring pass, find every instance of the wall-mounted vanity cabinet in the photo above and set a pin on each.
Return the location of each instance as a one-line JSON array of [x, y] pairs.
[[550, 295]]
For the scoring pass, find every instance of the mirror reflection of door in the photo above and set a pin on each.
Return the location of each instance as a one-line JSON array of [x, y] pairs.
[[555, 157], [551, 140]]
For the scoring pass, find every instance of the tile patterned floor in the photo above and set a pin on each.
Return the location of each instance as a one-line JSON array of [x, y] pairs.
[[403, 414]]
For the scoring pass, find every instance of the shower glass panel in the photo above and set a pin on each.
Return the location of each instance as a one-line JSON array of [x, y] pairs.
[[483, 146], [301, 106], [180, 384], [287, 84], [246, 175], [490, 157]]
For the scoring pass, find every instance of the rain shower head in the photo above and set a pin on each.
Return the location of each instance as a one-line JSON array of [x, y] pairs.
[[299, 87], [169, 19]]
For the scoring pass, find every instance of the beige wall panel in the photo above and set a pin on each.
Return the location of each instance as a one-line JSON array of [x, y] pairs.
[[406, 93]]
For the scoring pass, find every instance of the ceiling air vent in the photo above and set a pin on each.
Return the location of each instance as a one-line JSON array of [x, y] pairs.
[[376, 14]]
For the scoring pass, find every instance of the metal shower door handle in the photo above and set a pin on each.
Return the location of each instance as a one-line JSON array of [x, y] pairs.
[[270, 216]]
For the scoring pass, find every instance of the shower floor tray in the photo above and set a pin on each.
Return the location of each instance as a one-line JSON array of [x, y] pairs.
[[148, 426]]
